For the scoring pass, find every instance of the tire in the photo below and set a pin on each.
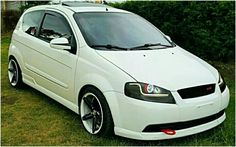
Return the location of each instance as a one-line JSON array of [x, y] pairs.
[[95, 113], [14, 73]]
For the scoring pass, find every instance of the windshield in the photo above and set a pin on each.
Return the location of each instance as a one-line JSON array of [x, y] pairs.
[[120, 30]]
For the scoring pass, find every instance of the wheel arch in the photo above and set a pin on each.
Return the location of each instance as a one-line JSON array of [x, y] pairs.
[[83, 89], [92, 86], [13, 57]]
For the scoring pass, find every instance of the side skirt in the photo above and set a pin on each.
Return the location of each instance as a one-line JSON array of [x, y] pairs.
[[30, 81]]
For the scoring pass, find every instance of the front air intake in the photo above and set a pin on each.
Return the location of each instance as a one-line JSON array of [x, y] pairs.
[[197, 91]]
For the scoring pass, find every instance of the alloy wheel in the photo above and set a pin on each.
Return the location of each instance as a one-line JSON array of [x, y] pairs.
[[91, 113], [13, 72]]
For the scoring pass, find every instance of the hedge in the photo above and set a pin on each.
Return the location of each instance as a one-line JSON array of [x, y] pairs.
[[10, 18], [204, 28]]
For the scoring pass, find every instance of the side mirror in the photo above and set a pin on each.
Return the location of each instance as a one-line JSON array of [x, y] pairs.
[[168, 37], [60, 43]]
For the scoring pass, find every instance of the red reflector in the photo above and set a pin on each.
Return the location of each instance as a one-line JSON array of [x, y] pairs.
[[168, 131]]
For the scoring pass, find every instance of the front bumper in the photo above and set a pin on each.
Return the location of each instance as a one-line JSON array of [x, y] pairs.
[[161, 135], [132, 116]]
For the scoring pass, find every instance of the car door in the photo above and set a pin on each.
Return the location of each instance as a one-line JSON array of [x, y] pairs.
[[53, 69]]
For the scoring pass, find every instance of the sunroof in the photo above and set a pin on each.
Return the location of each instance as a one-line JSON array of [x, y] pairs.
[[82, 4]]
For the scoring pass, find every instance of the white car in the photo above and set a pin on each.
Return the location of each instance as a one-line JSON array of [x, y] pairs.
[[117, 70]]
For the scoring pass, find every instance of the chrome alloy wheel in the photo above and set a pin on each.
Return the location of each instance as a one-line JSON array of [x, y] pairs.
[[13, 72], [91, 113]]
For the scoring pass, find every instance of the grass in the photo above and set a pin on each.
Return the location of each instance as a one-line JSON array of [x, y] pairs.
[[28, 117]]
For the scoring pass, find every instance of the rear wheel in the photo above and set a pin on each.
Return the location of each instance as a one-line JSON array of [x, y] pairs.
[[14, 73], [95, 113]]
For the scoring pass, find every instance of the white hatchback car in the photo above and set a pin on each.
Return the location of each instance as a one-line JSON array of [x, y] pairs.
[[117, 70]]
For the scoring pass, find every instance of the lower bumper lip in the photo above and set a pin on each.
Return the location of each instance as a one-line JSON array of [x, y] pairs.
[[181, 125], [162, 136]]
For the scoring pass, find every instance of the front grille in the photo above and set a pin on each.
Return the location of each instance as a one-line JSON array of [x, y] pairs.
[[194, 92], [183, 125]]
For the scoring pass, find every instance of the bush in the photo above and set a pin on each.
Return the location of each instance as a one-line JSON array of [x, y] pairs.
[[33, 3], [204, 28], [10, 18]]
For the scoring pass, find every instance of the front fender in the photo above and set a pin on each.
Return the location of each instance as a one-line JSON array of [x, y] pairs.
[[106, 88], [95, 80]]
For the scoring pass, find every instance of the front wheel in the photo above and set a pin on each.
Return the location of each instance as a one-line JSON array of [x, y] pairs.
[[95, 113]]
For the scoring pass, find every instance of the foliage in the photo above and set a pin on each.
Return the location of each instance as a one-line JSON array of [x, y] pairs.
[[10, 18], [31, 4], [204, 28]]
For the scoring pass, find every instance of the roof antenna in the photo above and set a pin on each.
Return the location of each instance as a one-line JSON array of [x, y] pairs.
[[106, 9]]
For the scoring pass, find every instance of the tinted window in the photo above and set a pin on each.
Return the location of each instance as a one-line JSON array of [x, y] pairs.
[[31, 22], [55, 26], [118, 29]]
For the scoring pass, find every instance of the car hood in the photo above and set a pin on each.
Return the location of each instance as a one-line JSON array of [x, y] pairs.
[[172, 68]]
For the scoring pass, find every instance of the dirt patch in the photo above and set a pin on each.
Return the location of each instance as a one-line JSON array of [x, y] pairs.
[[5, 100]]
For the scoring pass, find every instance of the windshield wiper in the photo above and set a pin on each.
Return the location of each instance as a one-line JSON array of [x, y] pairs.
[[109, 46], [149, 45]]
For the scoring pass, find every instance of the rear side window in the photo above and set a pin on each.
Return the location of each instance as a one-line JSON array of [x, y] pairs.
[[31, 22]]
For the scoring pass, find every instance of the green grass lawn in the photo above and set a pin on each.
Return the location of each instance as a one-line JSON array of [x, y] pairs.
[[28, 117]]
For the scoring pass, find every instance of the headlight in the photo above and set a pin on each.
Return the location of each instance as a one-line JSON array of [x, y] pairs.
[[221, 83], [148, 92]]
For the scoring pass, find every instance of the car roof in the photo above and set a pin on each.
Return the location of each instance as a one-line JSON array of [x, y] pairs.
[[79, 7]]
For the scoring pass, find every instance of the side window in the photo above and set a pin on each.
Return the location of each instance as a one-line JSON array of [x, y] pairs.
[[31, 22], [55, 26]]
